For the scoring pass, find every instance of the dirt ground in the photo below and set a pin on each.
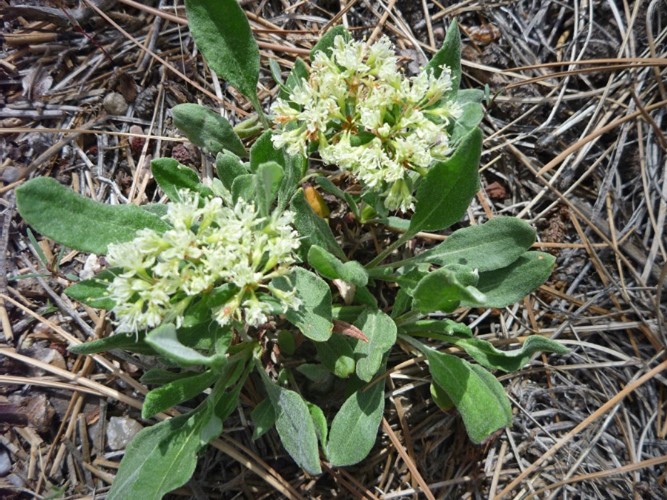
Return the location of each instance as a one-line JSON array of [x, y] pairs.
[[574, 144]]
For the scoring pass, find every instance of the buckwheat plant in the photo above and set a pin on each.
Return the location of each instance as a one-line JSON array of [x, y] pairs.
[[365, 116], [241, 275], [209, 245]]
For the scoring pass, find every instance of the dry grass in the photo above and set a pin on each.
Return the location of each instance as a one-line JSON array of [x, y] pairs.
[[574, 144]]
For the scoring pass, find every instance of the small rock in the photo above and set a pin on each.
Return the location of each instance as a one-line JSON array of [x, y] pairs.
[[120, 431], [115, 104], [5, 462], [10, 174]]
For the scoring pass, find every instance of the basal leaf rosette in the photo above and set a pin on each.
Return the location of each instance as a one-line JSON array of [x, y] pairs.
[[210, 244], [365, 116]]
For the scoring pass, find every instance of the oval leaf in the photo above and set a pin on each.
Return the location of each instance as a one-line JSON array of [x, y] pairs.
[[449, 55], [444, 289], [77, 222], [295, 426], [485, 247], [506, 286], [222, 33], [314, 315], [164, 340], [381, 332], [331, 267], [478, 396], [354, 428], [175, 392], [207, 129], [445, 193], [171, 176], [508, 361], [160, 458]]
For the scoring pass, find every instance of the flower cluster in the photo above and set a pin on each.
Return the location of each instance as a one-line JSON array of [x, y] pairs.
[[368, 118], [209, 245]]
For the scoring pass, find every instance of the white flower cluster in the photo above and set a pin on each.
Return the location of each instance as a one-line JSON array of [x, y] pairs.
[[368, 118], [209, 245]]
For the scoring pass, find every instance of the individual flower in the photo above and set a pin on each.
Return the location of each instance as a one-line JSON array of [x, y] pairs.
[[368, 118], [210, 244]]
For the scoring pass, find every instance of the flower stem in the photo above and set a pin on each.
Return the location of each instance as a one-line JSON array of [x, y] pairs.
[[405, 237]]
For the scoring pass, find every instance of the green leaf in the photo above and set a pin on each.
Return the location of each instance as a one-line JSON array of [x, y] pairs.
[[77, 222], [243, 188], [354, 428], [320, 421], [510, 284], [228, 167], [263, 418], [133, 343], [276, 72], [313, 317], [263, 151], [299, 72], [267, 181], [295, 169], [441, 398], [207, 129], [485, 247], [295, 426], [337, 355], [478, 396], [319, 374], [313, 229], [445, 193], [222, 33], [325, 43], [444, 289], [439, 327], [331, 267], [160, 376], [471, 115], [176, 392], [171, 176], [94, 292], [164, 340], [449, 55], [508, 361], [160, 458], [381, 332]]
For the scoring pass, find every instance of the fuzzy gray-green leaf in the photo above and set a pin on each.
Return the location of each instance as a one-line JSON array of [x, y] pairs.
[[506, 286], [478, 396], [77, 222], [222, 33], [207, 129], [445, 193], [508, 361], [354, 428]]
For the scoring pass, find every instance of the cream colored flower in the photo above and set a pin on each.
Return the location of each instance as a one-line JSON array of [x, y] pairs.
[[359, 89]]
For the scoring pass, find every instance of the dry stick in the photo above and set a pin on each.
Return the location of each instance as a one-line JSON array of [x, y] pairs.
[[650, 462], [268, 474], [641, 61], [341, 13], [80, 131], [407, 460], [184, 22], [596, 133], [628, 389], [4, 243], [163, 61], [380, 24]]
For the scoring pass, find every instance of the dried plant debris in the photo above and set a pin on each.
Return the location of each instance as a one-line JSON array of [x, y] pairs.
[[574, 143]]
